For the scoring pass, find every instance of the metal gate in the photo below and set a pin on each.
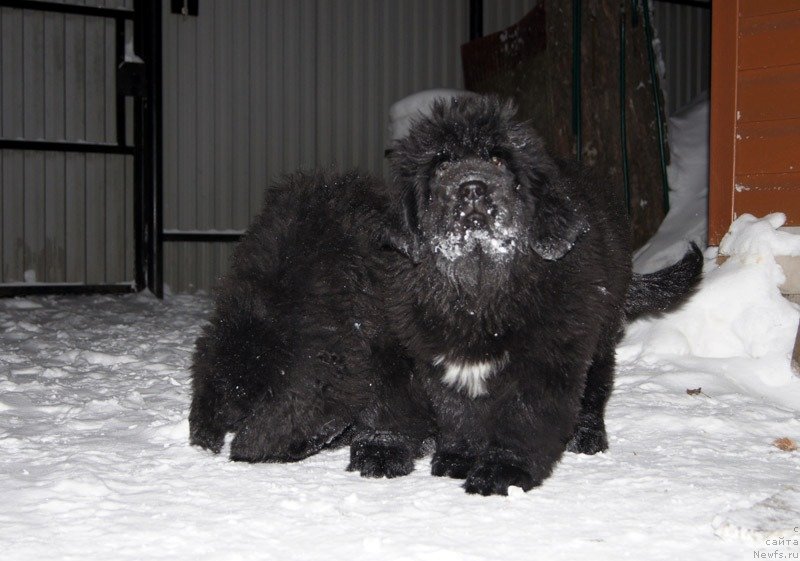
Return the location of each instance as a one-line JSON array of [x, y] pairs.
[[80, 147]]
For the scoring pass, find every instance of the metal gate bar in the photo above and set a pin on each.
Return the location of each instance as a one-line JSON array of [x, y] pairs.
[[148, 135], [146, 149]]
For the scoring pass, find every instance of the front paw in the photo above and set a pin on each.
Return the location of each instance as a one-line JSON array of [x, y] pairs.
[[449, 464], [495, 476], [588, 440], [381, 455], [208, 437]]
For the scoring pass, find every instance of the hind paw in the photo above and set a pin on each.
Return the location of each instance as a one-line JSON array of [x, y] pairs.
[[258, 445], [381, 455], [494, 477], [448, 464]]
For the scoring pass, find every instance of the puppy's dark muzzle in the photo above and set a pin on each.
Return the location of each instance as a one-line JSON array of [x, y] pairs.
[[473, 190], [475, 201], [474, 207]]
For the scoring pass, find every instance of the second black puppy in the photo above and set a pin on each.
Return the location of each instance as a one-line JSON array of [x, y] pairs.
[[492, 327]]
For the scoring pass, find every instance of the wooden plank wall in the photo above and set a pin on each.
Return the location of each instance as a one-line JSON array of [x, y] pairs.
[[767, 166], [755, 159], [254, 89], [65, 217], [684, 35]]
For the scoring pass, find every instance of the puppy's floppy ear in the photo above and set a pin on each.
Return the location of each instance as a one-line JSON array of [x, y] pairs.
[[557, 225], [403, 235]]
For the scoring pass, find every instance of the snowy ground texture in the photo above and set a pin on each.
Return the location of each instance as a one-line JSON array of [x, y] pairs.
[[95, 462]]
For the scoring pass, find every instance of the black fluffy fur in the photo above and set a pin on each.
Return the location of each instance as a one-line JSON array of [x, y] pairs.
[[348, 300]]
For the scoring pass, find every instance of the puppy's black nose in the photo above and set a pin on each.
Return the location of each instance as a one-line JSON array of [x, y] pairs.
[[473, 189]]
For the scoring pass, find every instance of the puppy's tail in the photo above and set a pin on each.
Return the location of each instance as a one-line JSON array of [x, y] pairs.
[[666, 289]]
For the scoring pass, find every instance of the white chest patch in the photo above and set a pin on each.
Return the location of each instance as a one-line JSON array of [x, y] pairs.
[[469, 376]]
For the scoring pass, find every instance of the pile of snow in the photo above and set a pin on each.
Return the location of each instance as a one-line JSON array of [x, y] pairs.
[[754, 240], [687, 175], [95, 462], [739, 327]]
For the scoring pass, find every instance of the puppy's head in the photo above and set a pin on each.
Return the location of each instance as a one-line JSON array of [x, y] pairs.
[[478, 188]]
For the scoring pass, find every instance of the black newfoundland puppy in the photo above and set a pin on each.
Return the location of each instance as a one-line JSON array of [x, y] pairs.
[[478, 301]]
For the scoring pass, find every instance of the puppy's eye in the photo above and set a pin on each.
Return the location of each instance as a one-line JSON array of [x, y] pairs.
[[498, 161], [442, 166]]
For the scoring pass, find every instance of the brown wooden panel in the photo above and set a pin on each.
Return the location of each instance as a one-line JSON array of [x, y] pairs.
[[724, 19], [771, 40], [749, 8], [768, 147], [765, 193], [769, 93]]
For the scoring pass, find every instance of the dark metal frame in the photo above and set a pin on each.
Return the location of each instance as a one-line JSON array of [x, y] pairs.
[[475, 19], [146, 149], [148, 135], [149, 232]]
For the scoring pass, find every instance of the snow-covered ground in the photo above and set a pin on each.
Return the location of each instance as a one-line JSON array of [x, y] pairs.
[[95, 462]]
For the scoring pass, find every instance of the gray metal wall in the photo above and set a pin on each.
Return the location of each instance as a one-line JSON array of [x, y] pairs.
[[499, 14], [252, 89], [256, 88], [65, 217], [685, 35]]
